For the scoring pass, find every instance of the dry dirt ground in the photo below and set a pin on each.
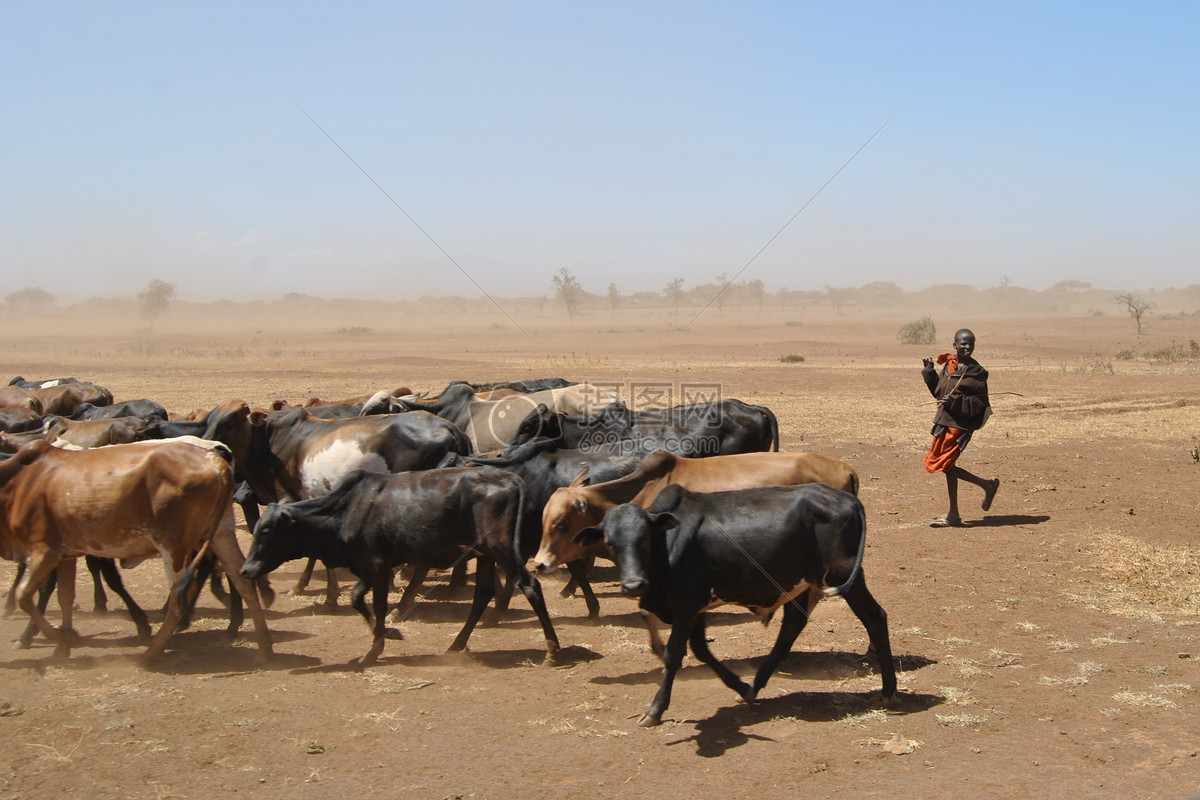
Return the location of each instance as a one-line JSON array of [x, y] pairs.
[[1049, 649]]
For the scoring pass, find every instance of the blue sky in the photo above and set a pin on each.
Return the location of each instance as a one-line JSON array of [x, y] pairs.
[[632, 143]]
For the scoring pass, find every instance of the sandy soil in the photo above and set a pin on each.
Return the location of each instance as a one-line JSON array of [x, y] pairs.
[[1049, 649]]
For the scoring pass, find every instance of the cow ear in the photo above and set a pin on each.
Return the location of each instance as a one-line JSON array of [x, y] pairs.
[[258, 418], [581, 478], [664, 521], [589, 536]]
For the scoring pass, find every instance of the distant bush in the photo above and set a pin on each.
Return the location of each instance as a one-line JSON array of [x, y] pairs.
[[793, 323], [792, 358], [1125, 355], [357, 330], [1176, 352], [923, 331]]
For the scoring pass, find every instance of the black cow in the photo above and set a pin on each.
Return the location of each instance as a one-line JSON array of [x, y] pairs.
[[758, 548], [544, 468], [718, 428], [144, 408], [373, 522]]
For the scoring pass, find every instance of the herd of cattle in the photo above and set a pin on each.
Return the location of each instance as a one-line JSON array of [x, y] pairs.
[[695, 504]]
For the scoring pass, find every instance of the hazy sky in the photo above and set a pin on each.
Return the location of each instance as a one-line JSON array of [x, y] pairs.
[[630, 142]]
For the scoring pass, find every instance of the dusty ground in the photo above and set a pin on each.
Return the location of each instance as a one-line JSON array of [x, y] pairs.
[[1051, 649]]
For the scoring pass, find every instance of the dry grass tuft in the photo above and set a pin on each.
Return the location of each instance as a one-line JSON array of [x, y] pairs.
[[1143, 580]]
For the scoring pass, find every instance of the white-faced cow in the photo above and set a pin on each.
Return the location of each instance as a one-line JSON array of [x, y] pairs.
[[133, 501], [373, 522], [762, 549]]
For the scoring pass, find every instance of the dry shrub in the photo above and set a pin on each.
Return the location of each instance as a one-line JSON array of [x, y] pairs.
[[923, 331]]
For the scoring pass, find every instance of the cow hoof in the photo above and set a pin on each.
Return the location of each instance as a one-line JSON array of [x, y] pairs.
[[263, 658], [394, 634], [648, 721], [21, 644]]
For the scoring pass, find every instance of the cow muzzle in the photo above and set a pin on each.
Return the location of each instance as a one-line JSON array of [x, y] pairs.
[[634, 588]]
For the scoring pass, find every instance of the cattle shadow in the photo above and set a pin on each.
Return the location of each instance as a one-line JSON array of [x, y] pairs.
[[727, 728], [569, 656], [826, 665], [1004, 520], [188, 653]]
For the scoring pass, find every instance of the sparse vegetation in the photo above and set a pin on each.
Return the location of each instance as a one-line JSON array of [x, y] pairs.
[[792, 358], [356, 330], [1136, 306], [922, 331]]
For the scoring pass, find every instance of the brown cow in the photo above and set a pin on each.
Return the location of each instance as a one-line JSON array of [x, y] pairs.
[[575, 507], [65, 399], [16, 397], [131, 501]]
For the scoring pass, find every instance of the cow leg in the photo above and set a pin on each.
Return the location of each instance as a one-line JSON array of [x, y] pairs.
[[533, 593], [10, 600], [229, 554], [305, 577], [331, 588], [656, 643], [99, 598], [107, 569], [407, 600], [727, 676], [485, 587], [504, 591], [175, 609], [796, 614], [379, 601], [458, 576], [41, 567], [874, 619], [66, 602], [25, 640], [673, 653], [579, 577]]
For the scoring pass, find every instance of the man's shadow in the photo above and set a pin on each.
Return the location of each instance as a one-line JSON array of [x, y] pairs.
[[1002, 520]]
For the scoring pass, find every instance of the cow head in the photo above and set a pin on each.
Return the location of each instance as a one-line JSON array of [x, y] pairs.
[[569, 510], [629, 531], [274, 542]]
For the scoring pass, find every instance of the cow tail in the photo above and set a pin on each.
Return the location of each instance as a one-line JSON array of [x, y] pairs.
[[520, 523], [835, 591], [187, 579], [774, 423]]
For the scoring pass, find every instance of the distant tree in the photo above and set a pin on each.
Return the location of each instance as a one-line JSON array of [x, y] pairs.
[[567, 289], [154, 299], [721, 295], [29, 297], [1136, 306], [614, 298], [674, 292], [758, 292], [839, 297]]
